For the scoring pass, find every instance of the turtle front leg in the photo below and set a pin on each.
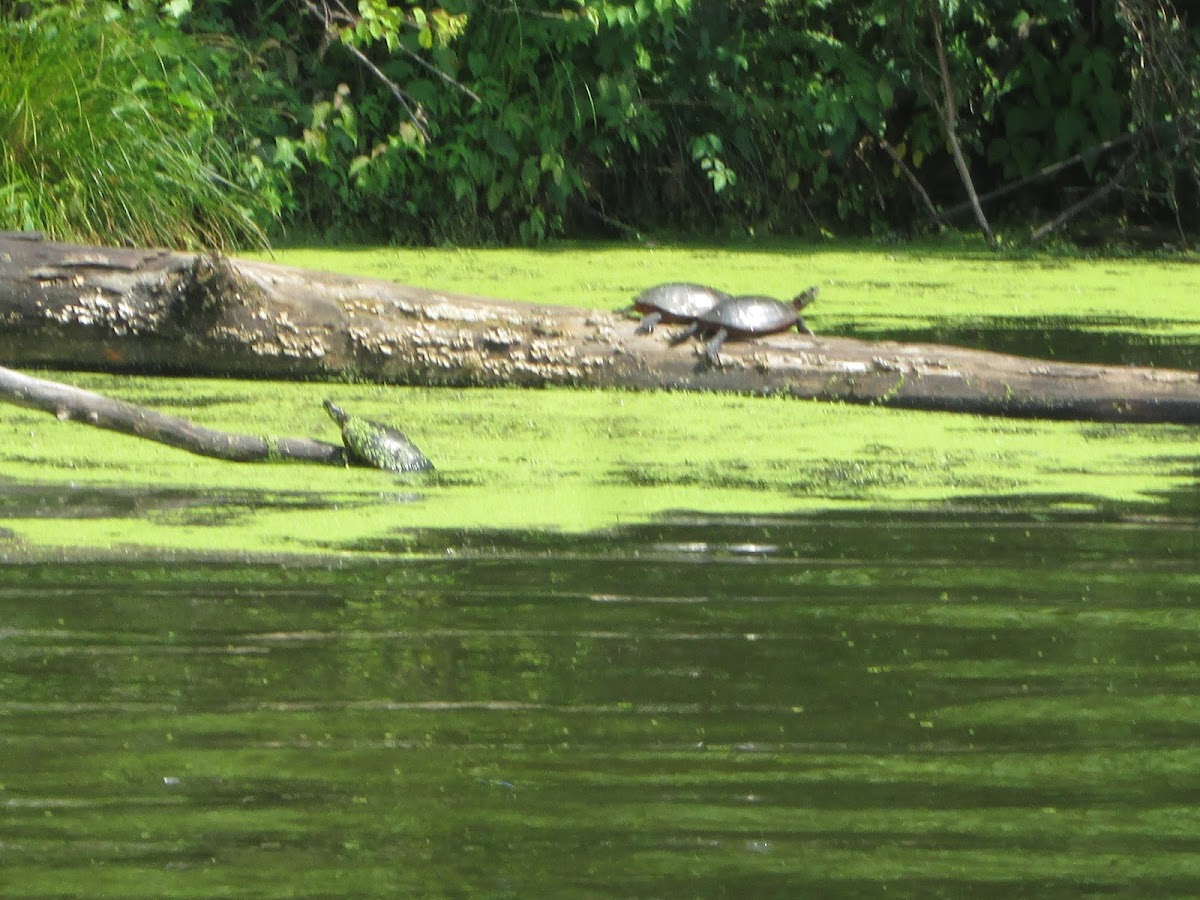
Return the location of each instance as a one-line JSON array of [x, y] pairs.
[[803, 328], [713, 346], [648, 322]]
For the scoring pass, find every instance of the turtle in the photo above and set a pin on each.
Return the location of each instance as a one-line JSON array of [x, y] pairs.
[[676, 301], [749, 315], [377, 445]]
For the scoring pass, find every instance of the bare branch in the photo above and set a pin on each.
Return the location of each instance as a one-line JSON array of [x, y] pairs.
[[346, 17], [400, 95], [911, 178], [1086, 203], [1055, 168], [72, 403], [327, 17], [458, 85], [949, 120]]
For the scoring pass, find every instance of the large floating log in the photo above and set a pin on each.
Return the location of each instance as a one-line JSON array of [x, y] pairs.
[[154, 310]]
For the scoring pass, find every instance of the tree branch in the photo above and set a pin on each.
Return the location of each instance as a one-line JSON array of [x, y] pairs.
[[1086, 203], [400, 95], [74, 404], [911, 177], [1054, 168], [326, 15], [949, 120]]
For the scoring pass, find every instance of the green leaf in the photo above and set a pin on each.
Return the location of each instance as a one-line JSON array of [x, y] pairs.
[[285, 154], [530, 176], [1070, 130], [886, 94], [495, 195], [358, 164]]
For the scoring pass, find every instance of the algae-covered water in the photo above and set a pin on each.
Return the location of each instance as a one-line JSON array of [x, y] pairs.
[[620, 644]]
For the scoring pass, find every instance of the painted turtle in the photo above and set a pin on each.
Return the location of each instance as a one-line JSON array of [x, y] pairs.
[[377, 445], [677, 301], [749, 316]]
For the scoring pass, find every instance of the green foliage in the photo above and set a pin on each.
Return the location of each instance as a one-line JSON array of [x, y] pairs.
[[551, 98], [474, 121], [108, 132]]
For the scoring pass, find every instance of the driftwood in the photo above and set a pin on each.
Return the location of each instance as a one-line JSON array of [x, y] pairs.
[[180, 313]]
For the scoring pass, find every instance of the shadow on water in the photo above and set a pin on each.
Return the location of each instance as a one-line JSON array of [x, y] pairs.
[[192, 506], [969, 703], [1066, 339]]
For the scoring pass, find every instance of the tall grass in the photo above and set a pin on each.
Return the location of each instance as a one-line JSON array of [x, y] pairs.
[[108, 135]]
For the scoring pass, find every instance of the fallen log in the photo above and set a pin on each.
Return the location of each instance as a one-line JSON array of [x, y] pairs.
[[113, 309]]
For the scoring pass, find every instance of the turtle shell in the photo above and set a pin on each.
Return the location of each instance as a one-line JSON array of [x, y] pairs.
[[376, 444], [678, 301], [751, 314]]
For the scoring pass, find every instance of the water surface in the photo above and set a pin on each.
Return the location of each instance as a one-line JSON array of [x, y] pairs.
[[959, 704], [622, 645]]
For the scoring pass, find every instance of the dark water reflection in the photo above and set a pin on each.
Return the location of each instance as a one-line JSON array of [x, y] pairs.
[[968, 705], [1098, 340]]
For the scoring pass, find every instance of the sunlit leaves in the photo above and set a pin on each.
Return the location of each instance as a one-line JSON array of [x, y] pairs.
[[706, 151]]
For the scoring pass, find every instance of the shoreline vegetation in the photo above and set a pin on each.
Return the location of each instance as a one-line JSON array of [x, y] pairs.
[[471, 123]]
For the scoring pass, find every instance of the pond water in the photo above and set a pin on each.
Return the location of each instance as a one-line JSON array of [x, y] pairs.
[[622, 645], [961, 703]]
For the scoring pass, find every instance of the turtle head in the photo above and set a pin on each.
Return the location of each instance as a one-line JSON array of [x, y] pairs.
[[804, 298], [338, 414]]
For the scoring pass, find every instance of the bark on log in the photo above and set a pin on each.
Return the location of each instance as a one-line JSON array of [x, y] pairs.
[[154, 310]]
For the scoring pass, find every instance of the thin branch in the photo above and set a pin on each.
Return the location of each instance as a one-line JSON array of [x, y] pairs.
[[1086, 203], [908, 173], [350, 19], [400, 95], [327, 16], [440, 74], [949, 119], [1055, 168]]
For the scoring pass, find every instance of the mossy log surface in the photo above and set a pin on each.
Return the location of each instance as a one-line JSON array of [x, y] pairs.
[[112, 309]]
